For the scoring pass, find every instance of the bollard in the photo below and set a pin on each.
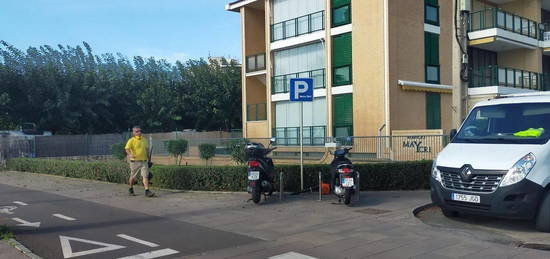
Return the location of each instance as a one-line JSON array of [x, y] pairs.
[[320, 187], [358, 186], [281, 186]]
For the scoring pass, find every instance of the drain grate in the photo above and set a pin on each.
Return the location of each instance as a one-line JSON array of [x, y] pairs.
[[371, 211]]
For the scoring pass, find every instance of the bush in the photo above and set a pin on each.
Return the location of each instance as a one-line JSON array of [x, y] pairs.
[[118, 151], [207, 151], [176, 148], [237, 151], [374, 176]]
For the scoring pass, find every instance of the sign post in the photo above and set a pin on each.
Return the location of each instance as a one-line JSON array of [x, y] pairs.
[[301, 90]]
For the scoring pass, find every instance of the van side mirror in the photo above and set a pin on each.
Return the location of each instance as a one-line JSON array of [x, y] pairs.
[[453, 134]]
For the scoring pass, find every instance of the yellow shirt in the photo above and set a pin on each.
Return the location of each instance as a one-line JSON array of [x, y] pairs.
[[138, 146]]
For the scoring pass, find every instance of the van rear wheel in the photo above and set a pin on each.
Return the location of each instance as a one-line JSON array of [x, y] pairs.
[[543, 215]]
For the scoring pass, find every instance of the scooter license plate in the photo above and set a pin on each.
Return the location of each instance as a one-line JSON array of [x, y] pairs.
[[254, 175], [347, 182]]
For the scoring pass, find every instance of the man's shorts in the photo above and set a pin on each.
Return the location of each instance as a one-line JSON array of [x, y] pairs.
[[138, 166]]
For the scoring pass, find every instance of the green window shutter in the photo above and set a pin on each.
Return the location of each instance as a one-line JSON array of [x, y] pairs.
[[433, 111], [431, 47], [338, 3], [432, 2], [343, 110], [341, 50]]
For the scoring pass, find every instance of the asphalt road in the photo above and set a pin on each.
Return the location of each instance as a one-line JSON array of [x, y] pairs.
[[72, 228]]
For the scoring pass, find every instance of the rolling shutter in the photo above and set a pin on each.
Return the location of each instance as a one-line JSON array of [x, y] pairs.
[[341, 50], [338, 3], [343, 110], [433, 111]]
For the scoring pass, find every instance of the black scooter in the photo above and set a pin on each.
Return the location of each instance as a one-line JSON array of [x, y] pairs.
[[261, 171], [343, 182]]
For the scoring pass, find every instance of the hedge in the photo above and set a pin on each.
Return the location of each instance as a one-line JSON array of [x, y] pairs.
[[374, 176]]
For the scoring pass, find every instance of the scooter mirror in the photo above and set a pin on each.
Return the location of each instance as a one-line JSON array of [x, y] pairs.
[[272, 140]]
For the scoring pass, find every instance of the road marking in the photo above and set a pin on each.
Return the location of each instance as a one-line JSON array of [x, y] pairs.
[[153, 254], [7, 209], [25, 223], [292, 255], [133, 239], [68, 250], [64, 217], [20, 203]]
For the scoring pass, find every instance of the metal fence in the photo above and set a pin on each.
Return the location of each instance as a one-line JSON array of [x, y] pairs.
[[382, 148]]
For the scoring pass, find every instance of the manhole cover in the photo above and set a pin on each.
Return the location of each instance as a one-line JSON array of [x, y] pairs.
[[373, 211]]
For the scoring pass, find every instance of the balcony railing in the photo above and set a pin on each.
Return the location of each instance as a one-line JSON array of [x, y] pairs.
[[298, 26], [256, 112], [313, 136], [255, 63], [495, 18], [281, 83], [509, 77]]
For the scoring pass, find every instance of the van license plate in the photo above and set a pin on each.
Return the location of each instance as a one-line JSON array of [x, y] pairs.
[[466, 198], [254, 175]]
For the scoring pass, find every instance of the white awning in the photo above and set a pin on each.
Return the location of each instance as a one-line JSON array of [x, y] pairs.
[[425, 87]]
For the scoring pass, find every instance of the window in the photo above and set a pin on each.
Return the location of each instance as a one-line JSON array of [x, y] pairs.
[[341, 12], [433, 111], [343, 115], [431, 48], [431, 12], [341, 60]]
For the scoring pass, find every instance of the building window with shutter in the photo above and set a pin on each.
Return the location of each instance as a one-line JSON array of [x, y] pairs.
[[433, 111], [343, 115], [431, 12], [431, 44], [341, 12], [341, 60]]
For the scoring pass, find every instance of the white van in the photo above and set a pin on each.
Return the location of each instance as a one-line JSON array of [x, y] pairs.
[[498, 164]]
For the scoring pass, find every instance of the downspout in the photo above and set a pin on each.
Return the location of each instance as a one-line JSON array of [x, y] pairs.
[[386, 69]]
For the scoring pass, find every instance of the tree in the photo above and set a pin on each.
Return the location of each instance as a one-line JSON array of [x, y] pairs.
[[176, 148], [237, 151], [207, 151]]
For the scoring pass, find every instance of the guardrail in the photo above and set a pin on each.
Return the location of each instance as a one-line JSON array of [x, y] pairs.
[[509, 77], [281, 83], [496, 18], [298, 26]]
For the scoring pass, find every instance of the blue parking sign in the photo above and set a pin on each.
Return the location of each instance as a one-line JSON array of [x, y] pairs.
[[301, 90]]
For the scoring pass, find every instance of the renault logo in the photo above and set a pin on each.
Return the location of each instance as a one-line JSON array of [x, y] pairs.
[[466, 174]]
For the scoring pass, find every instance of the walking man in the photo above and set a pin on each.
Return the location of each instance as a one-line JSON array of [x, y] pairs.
[[136, 148]]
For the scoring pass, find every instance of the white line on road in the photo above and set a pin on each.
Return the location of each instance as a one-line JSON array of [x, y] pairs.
[[20, 203], [153, 254], [292, 255], [25, 223], [61, 216], [133, 239]]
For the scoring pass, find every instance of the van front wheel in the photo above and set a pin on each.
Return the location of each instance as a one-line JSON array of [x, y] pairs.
[[543, 216], [449, 213]]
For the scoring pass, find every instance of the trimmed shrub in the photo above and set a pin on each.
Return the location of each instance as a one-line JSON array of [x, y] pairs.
[[118, 152], [207, 151], [374, 176], [237, 151], [176, 148]]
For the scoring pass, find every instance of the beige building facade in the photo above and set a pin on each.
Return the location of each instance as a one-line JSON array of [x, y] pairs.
[[384, 66]]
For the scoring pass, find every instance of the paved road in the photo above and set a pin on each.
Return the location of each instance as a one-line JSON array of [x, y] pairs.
[[70, 228]]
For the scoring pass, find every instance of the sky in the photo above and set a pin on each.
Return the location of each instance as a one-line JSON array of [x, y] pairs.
[[169, 29]]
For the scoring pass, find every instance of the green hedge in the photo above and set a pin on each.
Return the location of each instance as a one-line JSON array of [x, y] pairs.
[[374, 176]]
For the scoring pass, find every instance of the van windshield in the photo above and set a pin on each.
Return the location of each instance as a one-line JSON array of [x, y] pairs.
[[518, 123]]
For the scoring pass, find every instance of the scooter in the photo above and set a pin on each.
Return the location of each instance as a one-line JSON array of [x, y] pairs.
[[261, 171], [343, 177]]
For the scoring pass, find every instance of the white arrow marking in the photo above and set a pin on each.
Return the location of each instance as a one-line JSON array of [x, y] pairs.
[[68, 250], [7, 209], [133, 239], [25, 223], [61, 216], [20, 203], [153, 254], [292, 255]]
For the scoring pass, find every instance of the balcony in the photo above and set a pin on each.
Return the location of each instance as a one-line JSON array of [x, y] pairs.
[[255, 63], [545, 37], [281, 83], [497, 30], [299, 26], [313, 136], [514, 80], [256, 112]]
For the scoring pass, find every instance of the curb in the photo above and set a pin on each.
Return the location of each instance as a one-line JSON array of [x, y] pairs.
[[24, 250], [421, 208]]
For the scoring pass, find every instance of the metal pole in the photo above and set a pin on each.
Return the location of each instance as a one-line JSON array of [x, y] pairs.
[[320, 187], [281, 186], [358, 186], [302, 145]]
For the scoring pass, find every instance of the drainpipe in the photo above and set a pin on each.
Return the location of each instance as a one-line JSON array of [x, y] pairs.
[[386, 69]]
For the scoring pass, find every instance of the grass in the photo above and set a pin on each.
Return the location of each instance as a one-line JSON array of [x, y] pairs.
[[5, 233]]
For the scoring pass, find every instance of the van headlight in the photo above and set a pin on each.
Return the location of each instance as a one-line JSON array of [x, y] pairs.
[[520, 170], [436, 174]]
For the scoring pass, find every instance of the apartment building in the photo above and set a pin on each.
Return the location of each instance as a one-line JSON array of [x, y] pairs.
[[385, 66]]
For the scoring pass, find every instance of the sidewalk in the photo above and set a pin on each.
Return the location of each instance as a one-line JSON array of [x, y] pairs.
[[380, 226], [8, 251]]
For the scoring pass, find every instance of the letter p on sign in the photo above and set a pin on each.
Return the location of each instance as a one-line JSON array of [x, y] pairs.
[[301, 90]]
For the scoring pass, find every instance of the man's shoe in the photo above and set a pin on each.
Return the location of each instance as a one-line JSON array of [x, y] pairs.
[[131, 192], [149, 193]]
